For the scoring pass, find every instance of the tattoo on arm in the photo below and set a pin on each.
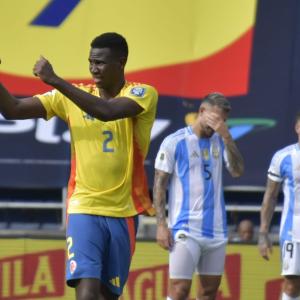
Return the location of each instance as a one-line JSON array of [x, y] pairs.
[[159, 195], [235, 159], [269, 204]]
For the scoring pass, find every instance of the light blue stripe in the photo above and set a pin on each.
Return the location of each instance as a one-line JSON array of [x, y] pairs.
[[224, 218], [182, 159], [190, 130], [222, 146], [208, 193], [286, 170]]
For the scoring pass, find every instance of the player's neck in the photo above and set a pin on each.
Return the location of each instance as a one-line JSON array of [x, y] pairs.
[[197, 130], [112, 91]]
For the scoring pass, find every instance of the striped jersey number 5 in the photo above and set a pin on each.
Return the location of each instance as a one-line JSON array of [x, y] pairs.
[[207, 172], [108, 138]]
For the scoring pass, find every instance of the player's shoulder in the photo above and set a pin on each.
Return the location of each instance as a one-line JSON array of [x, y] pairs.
[[140, 89], [87, 87], [281, 154], [175, 137], [285, 151], [216, 138]]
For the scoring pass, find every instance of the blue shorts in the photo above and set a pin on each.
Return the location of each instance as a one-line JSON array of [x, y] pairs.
[[100, 247]]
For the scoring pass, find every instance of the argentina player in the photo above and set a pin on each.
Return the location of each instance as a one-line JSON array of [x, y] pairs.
[[284, 170], [196, 234]]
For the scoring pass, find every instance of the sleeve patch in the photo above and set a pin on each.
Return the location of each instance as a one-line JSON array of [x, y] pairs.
[[138, 91]]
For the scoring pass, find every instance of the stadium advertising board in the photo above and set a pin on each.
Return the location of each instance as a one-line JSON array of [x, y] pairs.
[[241, 48], [34, 269]]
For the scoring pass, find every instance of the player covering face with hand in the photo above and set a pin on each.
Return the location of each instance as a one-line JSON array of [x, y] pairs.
[[189, 163]]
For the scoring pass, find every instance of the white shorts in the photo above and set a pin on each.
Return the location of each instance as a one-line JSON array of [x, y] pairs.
[[290, 253], [205, 257]]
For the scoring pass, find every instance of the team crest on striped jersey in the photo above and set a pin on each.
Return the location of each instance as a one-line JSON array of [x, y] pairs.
[[215, 151], [205, 154]]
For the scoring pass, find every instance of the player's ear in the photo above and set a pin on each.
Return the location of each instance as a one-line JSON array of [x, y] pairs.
[[297, 127], [123, 61]]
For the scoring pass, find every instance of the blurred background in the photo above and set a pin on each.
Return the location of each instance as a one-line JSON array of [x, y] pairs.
[[249, 50]]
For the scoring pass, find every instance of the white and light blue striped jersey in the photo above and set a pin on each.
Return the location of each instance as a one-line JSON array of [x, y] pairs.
[[196, 200], [285, 168]]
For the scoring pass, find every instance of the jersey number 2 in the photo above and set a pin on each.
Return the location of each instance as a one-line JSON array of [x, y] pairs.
[[70, 244], [108, 138]]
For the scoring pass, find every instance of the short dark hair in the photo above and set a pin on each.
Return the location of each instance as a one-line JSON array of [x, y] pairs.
[[297, 118], [219, 100], [113, 41]]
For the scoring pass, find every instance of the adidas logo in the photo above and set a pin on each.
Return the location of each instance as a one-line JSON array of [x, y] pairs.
[[115, 281], [195, 154]]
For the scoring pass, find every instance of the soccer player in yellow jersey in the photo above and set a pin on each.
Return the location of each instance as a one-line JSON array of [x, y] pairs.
[[110, 124]]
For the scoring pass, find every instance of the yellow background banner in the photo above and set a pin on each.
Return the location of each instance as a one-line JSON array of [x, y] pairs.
[[31, 268], [158, 32]]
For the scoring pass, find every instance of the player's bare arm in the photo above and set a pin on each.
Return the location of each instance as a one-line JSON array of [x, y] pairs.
[[108, 110], [235, 159], [159, 194], [14, 108], [266, 214], [163, 234]]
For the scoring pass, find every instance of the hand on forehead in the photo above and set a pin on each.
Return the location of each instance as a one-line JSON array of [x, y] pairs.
[[214, 113]]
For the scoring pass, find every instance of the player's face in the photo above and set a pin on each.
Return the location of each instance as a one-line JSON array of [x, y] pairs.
[[219, 115], [105, 67]]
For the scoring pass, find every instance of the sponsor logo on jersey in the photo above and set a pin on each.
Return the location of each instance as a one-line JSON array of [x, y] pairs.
[[138, 91]]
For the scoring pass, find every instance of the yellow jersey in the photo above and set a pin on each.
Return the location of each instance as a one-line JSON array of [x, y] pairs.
[[107, 158]]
